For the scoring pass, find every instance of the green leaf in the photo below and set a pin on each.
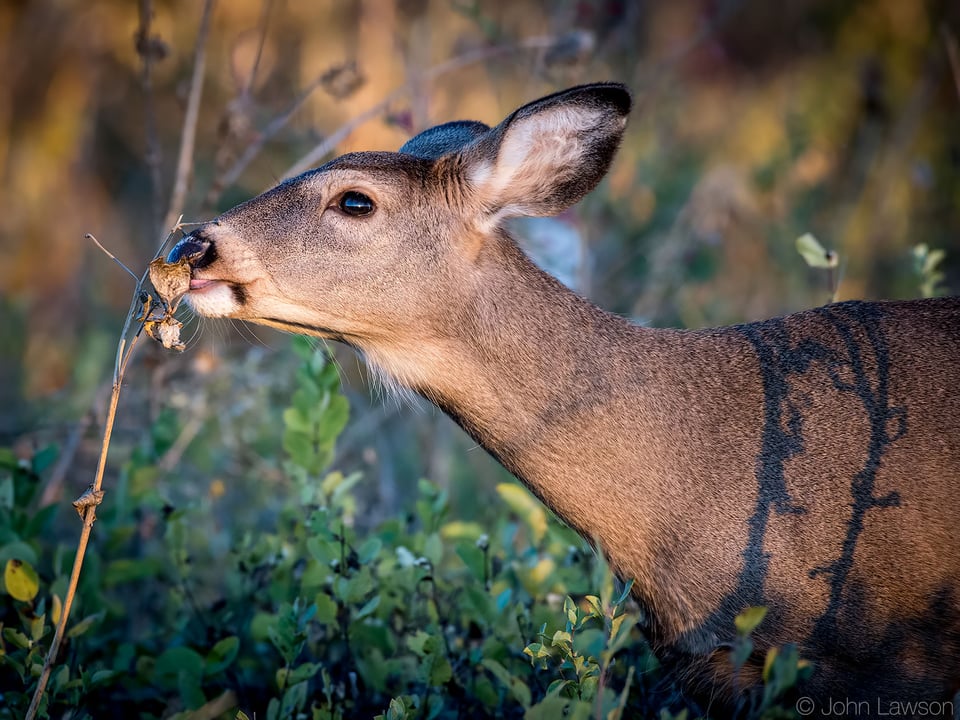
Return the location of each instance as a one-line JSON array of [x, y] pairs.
[[624, 594], [814, 254], [527, 508], [221, 655], [441, 672], [295, 420], [36, 626], [294, 700], [17, 638], [8, 459], [422, 643], [397, 710], [56, 607], [748, 620], [174, 662], [39, 524], [6, 492], [433, 549], [18, 550], [518, 688], [369, 551], [102, 677], [44, 459], [290, 677], [191, 692], [461, 530], [741, 652], [323, 551], [368, 608], [334, 420], [81, 627], [21, 580], [127, 570], [326, 608], [596, 607], [473, 558]]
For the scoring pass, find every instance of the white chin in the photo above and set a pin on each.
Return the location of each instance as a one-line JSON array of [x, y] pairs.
[[215, 301]]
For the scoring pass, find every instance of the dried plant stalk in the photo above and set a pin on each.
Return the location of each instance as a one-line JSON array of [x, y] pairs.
[[86, 504]]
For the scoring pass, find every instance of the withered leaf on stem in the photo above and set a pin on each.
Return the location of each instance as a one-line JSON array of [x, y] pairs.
[[172, 280], [90, 496], [166, 331]]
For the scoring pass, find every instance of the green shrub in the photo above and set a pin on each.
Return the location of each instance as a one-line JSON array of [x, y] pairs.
[[424, 616]]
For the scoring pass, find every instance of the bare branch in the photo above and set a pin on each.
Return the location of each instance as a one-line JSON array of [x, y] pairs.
[[264, 22], [188, 136], [253, 149], [113, 257], [87, 503], [88, 510], [150, 50], [950, 41]]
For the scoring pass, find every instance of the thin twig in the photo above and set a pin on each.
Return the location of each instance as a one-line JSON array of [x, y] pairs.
[[227, 700], [89, 236], [53, 489], [87, 504], [147, 47], [950, 40], [171, 458], [89, 517], [189, 133], [264, 23], [253, 149]]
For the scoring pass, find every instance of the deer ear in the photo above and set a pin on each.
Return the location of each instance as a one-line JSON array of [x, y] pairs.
[[548, 154]]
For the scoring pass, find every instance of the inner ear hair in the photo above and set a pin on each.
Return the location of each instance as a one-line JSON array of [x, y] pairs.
[[548, 154]]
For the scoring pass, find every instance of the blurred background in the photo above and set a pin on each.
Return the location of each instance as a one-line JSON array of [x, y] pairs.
[[756, 122]]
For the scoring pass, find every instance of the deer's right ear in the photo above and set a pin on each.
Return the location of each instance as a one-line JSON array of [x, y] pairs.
[[548, 154]]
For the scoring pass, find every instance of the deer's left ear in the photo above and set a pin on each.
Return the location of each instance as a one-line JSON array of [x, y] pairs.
[[548, 154]]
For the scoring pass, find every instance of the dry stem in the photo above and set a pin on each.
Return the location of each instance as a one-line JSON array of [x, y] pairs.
[[950, 41], [86, 505], [189, 134], [89, 513], [147, 47]]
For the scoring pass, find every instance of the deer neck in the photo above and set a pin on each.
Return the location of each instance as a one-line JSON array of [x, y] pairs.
[[540, 377]]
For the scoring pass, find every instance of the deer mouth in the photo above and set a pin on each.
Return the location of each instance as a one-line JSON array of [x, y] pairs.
[[201, 284]]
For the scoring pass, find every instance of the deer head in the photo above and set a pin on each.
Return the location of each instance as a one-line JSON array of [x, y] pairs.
[[381, 249]]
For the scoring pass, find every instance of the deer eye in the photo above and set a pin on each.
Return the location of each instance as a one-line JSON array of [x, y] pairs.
[[355, 203]]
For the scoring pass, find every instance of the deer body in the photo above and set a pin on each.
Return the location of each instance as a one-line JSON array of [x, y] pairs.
[[810, 463]]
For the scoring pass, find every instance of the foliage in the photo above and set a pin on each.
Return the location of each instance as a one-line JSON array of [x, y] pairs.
[[926, 264], [424, 616]]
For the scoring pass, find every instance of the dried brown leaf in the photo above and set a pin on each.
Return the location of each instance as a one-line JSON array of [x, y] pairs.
[[171, 280]]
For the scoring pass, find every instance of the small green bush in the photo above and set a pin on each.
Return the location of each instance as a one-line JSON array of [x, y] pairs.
[[424, 616]]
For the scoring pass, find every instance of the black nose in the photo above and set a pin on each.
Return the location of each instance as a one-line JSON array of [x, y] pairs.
[[196, 248]]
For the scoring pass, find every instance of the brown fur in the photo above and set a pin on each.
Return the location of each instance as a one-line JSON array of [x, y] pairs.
[[809, 464]]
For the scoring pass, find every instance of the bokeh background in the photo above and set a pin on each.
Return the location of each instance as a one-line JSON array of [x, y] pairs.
[[756, 122]]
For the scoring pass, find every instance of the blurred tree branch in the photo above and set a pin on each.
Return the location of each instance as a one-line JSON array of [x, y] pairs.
[[329, 143], [188, 137], [950, 40], [151, 49]]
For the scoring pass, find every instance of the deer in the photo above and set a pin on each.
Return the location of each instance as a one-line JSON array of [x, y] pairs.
[[809, 464]]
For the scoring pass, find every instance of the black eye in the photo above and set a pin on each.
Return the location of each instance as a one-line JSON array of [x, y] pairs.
[[356, 204]]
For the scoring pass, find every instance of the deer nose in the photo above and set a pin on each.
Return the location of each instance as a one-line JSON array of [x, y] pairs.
[[195, 247]]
